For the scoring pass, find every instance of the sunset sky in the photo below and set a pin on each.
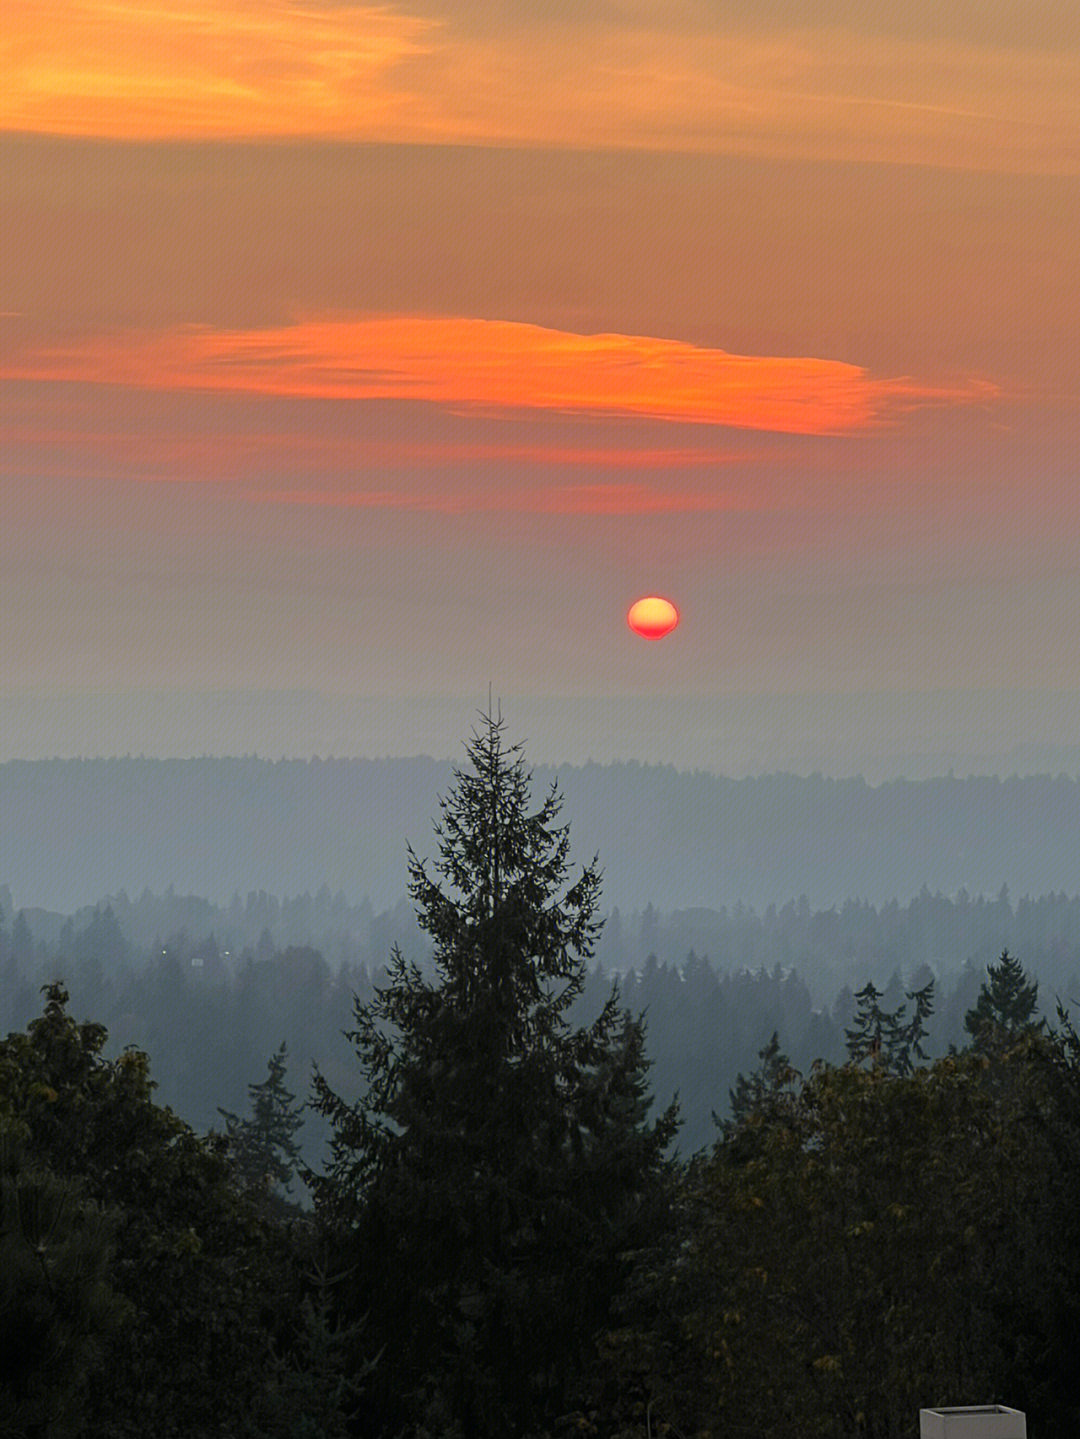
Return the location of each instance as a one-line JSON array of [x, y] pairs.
[[356, 356]]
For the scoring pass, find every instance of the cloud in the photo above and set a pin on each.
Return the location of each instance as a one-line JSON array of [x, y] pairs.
[[608, 499], [493, 366], [653, 76], [203, 68], [52, 443]]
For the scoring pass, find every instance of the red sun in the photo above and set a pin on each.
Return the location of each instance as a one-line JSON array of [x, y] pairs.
[[652, 617]]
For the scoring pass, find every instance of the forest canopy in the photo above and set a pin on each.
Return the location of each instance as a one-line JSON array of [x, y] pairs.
[[503, 1238]]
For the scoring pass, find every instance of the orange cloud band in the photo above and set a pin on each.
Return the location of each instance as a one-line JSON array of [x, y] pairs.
[[203, 68], [656, 76], [495, 365]]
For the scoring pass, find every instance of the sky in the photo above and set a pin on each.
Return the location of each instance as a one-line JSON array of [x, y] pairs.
[[355, 357]]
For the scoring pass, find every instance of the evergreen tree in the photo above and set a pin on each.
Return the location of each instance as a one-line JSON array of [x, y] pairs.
[[315, 1386], [1006, 1004], [157, 1280], [102, 939], [57, 1306], [22, 943], [871, 1032], [887, 1037], [911, 1033], [500, 1163], [263, 1148], [763, 1089]]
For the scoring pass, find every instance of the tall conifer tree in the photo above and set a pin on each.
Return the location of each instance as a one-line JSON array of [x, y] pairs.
[[500, 1162]]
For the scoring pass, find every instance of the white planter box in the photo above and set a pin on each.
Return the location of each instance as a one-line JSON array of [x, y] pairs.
[[980, 1421]]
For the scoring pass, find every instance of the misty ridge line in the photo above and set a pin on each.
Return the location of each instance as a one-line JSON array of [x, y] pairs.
[[827, 950], [881, 736], [76, 830]]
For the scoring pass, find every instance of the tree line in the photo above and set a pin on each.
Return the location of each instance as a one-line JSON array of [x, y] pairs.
[[502, 1239], [210, 1020], [825, 946]]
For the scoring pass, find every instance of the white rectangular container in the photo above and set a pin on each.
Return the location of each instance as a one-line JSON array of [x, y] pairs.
[[980, 1421]]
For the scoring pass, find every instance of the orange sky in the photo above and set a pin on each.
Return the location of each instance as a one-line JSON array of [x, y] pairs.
[[999, 95], [479, 320]]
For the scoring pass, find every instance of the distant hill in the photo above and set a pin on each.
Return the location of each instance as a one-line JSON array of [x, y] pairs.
[[74, 830]]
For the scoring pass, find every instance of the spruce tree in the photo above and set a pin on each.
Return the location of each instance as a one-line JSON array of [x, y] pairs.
[[263, 1147], [872, 1030], [887, 1037], [1005, 1006], [768, 1089], [500, 1163]]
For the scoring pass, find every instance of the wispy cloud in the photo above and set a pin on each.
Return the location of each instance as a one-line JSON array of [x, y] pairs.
[[496, 366], [651, 76], [204, 68], [609, 499], [52, 446]]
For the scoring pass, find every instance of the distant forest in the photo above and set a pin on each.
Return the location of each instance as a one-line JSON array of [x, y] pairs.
[[311, 1167], [77, 829], [210, 991]]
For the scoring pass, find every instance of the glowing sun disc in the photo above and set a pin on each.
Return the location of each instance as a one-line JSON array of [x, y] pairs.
[[652, 617]]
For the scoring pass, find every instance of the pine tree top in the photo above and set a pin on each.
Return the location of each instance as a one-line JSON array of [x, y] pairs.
[[1007, 1002], [478, 1067], [507, 923]]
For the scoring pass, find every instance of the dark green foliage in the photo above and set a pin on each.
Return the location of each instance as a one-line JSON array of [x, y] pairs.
[[1006, 1004], [887, 1242], [860, 1244], [263, 1148], [196, 1269], [316, 1377], [1045, 1285], [500, 1162], [57, 1306]]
